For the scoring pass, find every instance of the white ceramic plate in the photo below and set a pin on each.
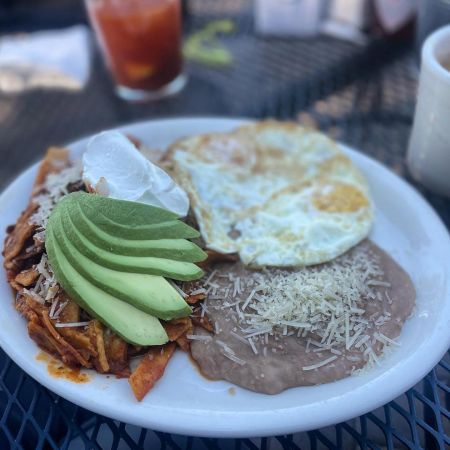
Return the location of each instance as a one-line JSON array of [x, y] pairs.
[[183, 402]]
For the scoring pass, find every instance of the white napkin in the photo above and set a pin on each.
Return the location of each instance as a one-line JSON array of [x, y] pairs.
[[47, 59], [288, 17]]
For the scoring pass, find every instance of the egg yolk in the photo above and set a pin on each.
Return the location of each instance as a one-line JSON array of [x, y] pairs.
[[341, 199]]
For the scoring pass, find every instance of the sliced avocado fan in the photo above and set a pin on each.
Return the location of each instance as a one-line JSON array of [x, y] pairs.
[[168, 228], [111, 257], [130, 323], [170, 268], [149, 293], [170, 248], [125, 212]]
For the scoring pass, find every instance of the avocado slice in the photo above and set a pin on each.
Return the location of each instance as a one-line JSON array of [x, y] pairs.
[[149, 293], [130, 323], [177, 249], [121, 211], [178, 270], [173, 229], [168, 228]]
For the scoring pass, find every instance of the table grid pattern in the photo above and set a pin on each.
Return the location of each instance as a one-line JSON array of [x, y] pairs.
[[36, 418], [363, 96]]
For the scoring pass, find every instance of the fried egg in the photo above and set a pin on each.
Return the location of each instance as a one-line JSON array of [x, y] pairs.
[[276, 193]]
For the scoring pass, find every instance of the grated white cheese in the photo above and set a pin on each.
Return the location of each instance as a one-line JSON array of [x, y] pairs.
[[52, 291], [373, 357], [211, 276], [386, 293], [239, 338], [335, 352], [362, 341], [320, 364], [249, 298], [204, 310], [46, 286], [378, 283], [38, 237], [236, 287], [38, 283], [354, 337], [384, 339], [53, 309], [198, 291], [71, 324], [178, 289], [33, 295], [54, 188], [234, 358], [227, 349], [326, 302], [199, 337], [60, 309], [253, 346]]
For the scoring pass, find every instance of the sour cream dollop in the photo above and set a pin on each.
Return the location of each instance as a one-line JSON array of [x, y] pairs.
[[114, 165]]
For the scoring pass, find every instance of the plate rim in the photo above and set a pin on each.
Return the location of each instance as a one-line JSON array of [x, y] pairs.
[[265, 423]]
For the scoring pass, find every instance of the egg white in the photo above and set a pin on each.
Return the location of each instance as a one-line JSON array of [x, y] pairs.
[[275, 193]]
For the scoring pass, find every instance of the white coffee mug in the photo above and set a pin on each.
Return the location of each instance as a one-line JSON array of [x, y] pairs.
[[429, 146]]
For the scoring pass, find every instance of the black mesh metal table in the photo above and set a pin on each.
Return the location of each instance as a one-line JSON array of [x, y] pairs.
[[363, 96]]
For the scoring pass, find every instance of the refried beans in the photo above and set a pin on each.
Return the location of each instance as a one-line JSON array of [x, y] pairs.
[[287, 357]]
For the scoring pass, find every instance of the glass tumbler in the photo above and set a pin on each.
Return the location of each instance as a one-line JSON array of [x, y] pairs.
[[141, 43]]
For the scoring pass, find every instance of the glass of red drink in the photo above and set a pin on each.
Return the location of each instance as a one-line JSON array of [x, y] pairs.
[[141, 43]]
